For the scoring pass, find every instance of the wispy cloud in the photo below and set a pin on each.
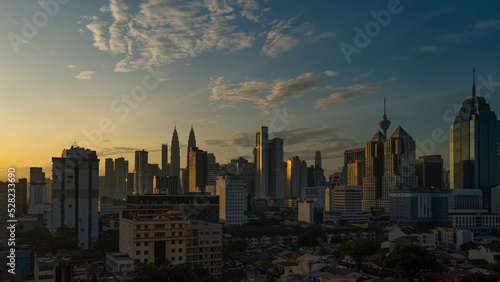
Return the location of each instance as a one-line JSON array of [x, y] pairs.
[[266, 93], [477, 29], [363, 75], [428, 49], [72, 66], [285, 35], [345, 93], [85, 75]]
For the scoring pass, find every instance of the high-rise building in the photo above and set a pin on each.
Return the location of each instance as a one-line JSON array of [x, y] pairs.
[[414, 205], [175, 156], [429, 170], [374, 171], [38, 187], [294, 173], [474, 143], [353, 156], [191, 144], [130, 183], [261, 160], [121, 171], [355, 173], [167, 185], [76, 193], [184, 181], [107, 190], [213, 169], [317, 160], [165, 166], [399, 164], [141, 173], [197, 170], [303, 174], [232, 196], [204, 246], [347, 203], [276, 186]]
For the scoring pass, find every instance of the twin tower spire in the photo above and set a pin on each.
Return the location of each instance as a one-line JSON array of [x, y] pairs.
[[175, 156]]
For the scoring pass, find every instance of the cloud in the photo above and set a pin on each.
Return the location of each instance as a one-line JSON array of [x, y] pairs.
[[161, 31], [85, 75], [266, 93], [363, 75], [325, 35], [72, 66], [428, 49], [284, 36], [113, 151], [477, 29], [98, 33], [346, 93]]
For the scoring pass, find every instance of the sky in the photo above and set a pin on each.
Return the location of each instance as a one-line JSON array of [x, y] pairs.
[[118, 75]]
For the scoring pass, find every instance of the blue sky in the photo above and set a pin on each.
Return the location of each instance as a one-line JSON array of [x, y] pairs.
[[233, 66]]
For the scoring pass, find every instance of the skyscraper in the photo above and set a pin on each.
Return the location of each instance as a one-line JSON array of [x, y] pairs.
[[175, 156], [121, 171], [38, 187], [109, 179], [294, 174], [191, 144], [212, 169], [197, 170], [261, 160], [276, 187], [374, 171], [352, 156], [474, 141], [429, 170], [165, 167], [399, 164], [317, 160], [76, 193], [141, 173]]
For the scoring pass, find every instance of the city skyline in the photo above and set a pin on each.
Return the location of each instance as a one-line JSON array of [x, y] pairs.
[[261, 59]]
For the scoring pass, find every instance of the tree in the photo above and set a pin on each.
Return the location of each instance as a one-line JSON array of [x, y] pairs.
[[239, 245], [234, 276], [358, 249], [183, 272], [467, 246], [481, 277], [312, 237], [412, 259], [109, 241], [65, 238]]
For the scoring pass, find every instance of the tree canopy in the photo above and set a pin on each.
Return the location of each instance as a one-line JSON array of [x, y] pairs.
[[184, 272], [359, 249], [412, 259]]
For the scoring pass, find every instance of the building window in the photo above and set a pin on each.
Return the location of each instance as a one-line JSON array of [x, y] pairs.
[[137, 252], [158, 226], [138, 244], [172, 234], [180, 258], [146, 226], [145, 260], [160, 234], [146, 252], [146, 244], [180, 250], [180, 225], [172, 225], [138, 226], [138, 235], [173, 251]]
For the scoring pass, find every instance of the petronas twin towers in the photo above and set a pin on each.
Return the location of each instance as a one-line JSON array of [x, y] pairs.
[[175, 156]]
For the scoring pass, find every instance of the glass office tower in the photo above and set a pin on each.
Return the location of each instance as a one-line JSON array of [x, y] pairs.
[[474, 142]]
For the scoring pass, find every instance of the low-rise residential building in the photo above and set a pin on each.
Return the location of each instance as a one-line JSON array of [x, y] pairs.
[[485, 252], [453, 238], [414, 205], [480, 222], [45, 267], [118, 263], [311, 212], [153, 235], [420, 235]]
